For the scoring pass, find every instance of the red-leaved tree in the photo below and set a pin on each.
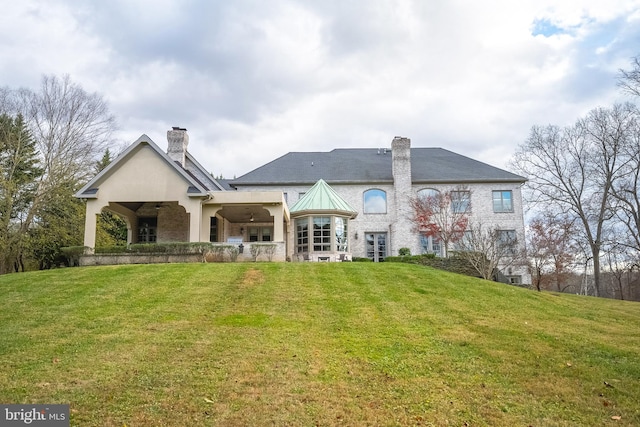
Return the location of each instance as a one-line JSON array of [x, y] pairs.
[[442, 215], [551, 251]]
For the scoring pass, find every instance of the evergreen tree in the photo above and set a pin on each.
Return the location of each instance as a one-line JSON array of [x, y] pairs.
[[19, 174], [104, 161]]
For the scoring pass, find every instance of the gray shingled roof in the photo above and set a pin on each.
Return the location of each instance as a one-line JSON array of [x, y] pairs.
[[360, 165]]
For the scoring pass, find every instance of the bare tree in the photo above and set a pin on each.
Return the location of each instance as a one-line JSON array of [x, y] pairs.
[[550, 250], [626, 194], [486, 248], [443, 215], [70, 129], [629, 81], [576, 168], [618, 269]]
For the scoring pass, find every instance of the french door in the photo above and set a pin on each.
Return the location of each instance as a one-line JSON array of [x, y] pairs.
[[376, 246]]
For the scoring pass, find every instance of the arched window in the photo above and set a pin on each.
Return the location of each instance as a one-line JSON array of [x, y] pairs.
[[375, 201], [428, 192], [429, 199]]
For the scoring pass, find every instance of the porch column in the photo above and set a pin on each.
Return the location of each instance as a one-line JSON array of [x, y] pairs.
[[92, 211], [194, 210], [278, 222], [207, 212]]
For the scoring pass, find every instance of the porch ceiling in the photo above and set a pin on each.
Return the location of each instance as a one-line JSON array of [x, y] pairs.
[[245, 213], [132, 206]]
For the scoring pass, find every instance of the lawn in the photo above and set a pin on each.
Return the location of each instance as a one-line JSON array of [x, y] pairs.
[[307, 344]]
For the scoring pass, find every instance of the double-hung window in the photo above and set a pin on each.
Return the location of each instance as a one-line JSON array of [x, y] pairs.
[[503, 201], [507, 241], [260, 234], [460, 201], [430, 245]]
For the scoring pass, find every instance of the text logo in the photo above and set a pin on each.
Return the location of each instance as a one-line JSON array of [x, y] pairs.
[[34, 415]]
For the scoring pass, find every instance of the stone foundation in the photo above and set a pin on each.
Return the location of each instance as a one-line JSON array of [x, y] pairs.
[[164, 258]]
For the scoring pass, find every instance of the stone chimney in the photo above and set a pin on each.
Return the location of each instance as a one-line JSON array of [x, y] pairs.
[[178, 140], [401, 170], [401, 163]]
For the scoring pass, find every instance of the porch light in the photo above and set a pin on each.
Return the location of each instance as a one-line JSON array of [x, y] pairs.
[[251, 219]]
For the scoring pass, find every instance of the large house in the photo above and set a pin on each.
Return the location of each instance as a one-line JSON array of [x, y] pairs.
[[316, 206]]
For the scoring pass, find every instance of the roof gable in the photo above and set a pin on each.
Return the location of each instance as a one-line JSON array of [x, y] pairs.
[[321, 197], [91, 189]]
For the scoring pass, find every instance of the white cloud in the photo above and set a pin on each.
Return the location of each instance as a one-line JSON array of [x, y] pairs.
[[252, 80]]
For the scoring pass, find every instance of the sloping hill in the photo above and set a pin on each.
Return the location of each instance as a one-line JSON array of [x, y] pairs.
[[313, 344]]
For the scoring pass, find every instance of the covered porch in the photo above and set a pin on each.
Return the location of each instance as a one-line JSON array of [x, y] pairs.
[[247, 218], [224, 218], [148, 221]]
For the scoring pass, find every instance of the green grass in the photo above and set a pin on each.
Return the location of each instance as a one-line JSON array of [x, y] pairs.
[[313, 344]]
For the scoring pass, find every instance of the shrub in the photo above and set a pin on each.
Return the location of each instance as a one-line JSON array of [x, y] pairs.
[[175, 248], [233, 252], [269, 250], [356, 259], [214, 253], [256, 250], [411, 259], [146, 248], [404, 251], [72, 254], [453, 264], [111, 250]]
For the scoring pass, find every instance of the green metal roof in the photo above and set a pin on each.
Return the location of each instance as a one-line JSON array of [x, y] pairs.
[[321, 197]]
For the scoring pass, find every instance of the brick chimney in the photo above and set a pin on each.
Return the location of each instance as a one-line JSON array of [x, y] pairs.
[[178, 140], [401, 165], [401, 170]]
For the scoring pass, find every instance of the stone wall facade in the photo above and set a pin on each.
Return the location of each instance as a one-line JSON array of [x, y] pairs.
[[162, 258], [397, 220], [402, 227], [399, 210], [173, 221]]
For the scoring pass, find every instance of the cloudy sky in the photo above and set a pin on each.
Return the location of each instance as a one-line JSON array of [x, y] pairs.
[[253, 80]]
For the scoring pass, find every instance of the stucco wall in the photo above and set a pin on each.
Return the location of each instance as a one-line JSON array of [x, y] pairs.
[[143, 177], [146, 177]]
